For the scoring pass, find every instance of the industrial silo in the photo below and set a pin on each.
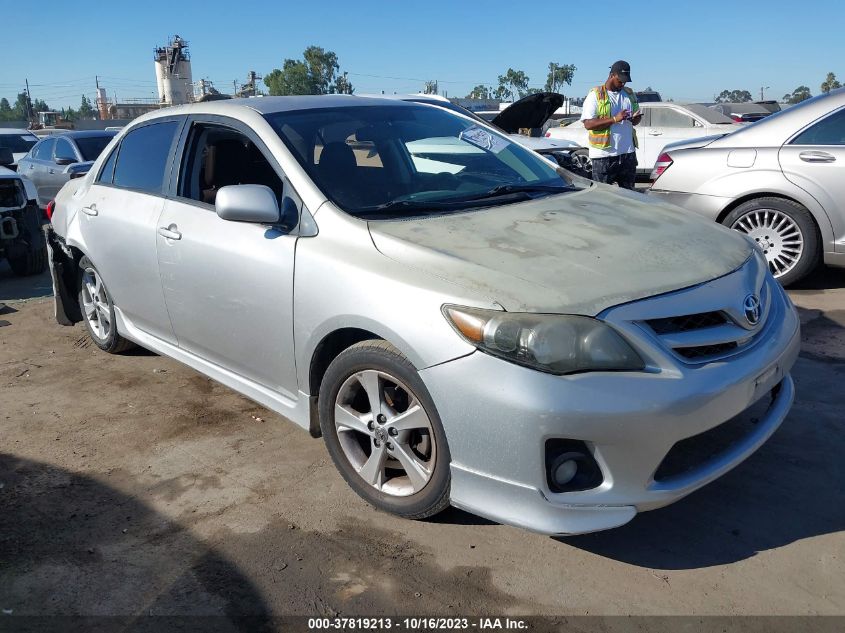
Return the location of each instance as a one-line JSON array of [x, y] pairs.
[[173, 72]]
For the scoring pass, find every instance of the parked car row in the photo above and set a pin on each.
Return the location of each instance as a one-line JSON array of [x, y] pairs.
[[452, 332]]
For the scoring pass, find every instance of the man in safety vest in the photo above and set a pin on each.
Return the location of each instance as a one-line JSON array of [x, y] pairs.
[[610, 113]]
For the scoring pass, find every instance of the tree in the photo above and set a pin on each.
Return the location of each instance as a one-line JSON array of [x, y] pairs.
[[513, 81], [830, 83], [480, 92], [6, 112], [559, 74], [734, 96], [22, 107], [315, 74], [85, 109], [343, 86], [430, 87], [40, 106], [798, 95]]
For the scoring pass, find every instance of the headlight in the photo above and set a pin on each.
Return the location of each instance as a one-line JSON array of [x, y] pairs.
[[557, 344]]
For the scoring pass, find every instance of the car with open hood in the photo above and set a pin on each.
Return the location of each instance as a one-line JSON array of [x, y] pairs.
[[505, 337]]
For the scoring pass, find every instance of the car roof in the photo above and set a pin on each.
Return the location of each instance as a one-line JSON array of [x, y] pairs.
[[272, 105], [15, 131], [89, 133]]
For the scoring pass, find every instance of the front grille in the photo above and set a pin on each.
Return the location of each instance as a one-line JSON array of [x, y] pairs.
[[694, 452], [704, 351], [687, 322]]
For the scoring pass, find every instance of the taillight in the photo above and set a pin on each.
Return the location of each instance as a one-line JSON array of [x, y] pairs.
[[662, 164], [737, 118], [51, 206], [548, 135]]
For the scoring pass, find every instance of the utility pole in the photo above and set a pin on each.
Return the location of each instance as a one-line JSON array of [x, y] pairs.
[[28, 113], [762, 88]]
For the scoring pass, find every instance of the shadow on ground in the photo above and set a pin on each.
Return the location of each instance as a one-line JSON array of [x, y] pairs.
[[14, 288], [72, 545]]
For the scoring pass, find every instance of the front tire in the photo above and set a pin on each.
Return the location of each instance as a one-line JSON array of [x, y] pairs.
[[784, 230], [97, 309], [582, 163], [383, 432]]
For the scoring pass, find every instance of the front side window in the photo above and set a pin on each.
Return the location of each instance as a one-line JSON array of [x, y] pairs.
[[406, 159], [143, 157], [219, 156], [64, 150], [828, 131]]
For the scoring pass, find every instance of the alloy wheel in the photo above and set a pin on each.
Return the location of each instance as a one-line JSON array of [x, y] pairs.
[[385, 433], [776, 234], [95, 303]]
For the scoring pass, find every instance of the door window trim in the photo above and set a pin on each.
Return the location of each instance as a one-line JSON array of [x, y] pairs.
[[168, 167]]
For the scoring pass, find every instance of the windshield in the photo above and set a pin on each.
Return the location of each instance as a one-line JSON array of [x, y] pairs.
[[18, 143], [708, 114], [92, 146], [408, 159]]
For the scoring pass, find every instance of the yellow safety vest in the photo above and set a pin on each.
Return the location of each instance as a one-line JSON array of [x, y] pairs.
[[600, 139]]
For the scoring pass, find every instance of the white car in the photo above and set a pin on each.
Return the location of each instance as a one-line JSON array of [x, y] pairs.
[[19, 141], [662, 123]]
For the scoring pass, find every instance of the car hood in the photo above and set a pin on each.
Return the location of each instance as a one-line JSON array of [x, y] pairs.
[[529, 112], [541, 143], [574, 253]]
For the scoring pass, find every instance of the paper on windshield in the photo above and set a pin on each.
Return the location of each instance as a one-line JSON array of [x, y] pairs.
[[483, 139]]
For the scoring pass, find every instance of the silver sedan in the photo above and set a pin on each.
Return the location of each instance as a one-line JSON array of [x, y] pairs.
[[781, 181], [462, 322]]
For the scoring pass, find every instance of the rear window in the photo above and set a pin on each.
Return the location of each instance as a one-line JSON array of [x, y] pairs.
[[144, 154], [18, 143], [92, 146]]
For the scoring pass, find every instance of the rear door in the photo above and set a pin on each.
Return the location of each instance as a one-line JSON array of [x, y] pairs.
[[667, 125], [57, 175], [36, 165], [119, 220], [229, 285], [814, 159]]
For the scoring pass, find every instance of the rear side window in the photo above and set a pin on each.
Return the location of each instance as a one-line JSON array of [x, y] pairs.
[[44, 150], [667, 117], [830, 131], [64, 149], [143, 157]]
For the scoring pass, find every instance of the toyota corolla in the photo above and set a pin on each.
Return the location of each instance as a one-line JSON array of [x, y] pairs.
[[472, 327]]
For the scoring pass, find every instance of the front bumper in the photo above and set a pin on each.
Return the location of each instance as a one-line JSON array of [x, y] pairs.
[[498, 416]]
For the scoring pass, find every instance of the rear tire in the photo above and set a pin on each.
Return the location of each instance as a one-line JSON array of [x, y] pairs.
[[97, 309], [32, 262], [786, 233], [383, 432]]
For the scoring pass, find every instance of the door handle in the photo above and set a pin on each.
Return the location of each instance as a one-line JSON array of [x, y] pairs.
[[169, 232], [92, 210], [32, 166], [816, 157], [655, 133], [52, 171]]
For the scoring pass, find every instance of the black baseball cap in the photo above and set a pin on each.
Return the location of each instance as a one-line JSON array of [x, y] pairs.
[[621, 68]]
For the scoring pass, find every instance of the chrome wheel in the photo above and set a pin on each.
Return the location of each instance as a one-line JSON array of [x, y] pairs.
[[581, 161], [776, 234], [95, 304], [385, 433]]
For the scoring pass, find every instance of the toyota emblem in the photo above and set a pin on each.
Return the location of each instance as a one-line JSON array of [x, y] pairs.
[[751, 305]]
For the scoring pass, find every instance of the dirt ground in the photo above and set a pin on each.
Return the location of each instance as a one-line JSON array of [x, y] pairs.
[[133, 485]]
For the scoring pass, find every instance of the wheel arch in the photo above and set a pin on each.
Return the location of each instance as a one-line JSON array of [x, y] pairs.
[[329, 348]]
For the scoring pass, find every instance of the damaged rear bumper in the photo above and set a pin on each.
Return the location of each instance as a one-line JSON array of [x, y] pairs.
[[63, 271]]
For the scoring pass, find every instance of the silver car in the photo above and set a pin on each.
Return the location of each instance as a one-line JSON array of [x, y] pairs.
[[56, 159], [780, 180], [478, 328]]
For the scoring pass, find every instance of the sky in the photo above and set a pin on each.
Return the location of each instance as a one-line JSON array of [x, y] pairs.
[[689, 51]]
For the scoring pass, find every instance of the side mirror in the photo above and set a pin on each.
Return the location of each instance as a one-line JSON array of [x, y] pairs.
[[65, 161], [247, 203], [6, 157]]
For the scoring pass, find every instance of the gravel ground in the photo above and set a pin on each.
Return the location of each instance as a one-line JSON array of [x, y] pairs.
[[132, 485]]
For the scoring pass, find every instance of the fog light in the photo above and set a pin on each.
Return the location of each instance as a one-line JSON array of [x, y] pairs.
[[570, 466], [564, 469]]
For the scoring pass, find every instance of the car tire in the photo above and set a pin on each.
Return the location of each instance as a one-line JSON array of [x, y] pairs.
[[582, 164], [785, 232], [97, 308], [32, 262], [397, 459]]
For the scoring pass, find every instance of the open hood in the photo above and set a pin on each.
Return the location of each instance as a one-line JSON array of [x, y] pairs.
[[529, 112]]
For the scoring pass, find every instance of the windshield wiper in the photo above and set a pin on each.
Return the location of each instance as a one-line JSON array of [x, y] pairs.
[[526, 188]]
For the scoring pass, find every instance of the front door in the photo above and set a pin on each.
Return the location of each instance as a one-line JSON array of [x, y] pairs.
[[228, 285]]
